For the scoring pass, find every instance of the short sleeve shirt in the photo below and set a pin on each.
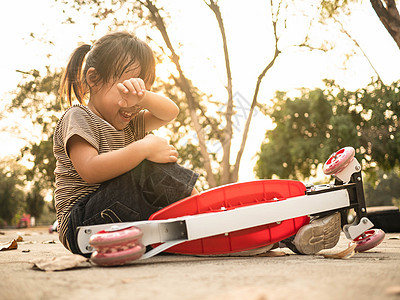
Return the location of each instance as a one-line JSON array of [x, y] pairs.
[[80, 120]]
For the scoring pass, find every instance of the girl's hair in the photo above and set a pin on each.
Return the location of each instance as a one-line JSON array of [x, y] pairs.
[[110, 56]]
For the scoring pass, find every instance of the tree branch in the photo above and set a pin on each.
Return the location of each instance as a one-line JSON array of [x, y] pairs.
[[226, 140], [358, 45]]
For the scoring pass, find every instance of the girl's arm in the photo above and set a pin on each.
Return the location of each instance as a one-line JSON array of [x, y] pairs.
[[96, 168], [161, 110]]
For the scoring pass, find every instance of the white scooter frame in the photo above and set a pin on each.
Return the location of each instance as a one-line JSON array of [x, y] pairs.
[[346, 193]]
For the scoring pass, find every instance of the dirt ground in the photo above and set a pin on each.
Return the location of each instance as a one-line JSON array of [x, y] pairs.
[[371, 275]]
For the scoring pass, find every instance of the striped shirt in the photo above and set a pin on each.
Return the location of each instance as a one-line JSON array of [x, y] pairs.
[[80, 120]]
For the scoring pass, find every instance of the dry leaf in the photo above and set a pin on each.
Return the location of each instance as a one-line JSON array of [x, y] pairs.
[[253, 252], [345, 254], [59, 263], [20, 239], [273, 254], [49, 242], [11, 245]]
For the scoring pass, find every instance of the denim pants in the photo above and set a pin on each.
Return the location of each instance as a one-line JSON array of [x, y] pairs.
[[133, 196]]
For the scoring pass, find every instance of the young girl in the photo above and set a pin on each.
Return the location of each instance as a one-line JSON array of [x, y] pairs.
[[108, 170]]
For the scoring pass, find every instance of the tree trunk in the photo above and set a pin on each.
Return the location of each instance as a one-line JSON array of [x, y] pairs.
[[226, 140], [235, 175], [389, 16]]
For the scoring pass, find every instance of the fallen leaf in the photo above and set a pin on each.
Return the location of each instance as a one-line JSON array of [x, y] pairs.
[[273, 254], [2, 233], [20, 239], [394, 238], [11, 245], [345, 254], [249, 253], [26, 251], [49, 242], [59, 263]]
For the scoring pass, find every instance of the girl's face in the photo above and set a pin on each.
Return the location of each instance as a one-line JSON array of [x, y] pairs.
[[105, 100]]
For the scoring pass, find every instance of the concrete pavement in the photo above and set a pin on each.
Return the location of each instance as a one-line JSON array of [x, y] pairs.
[[371, 275]]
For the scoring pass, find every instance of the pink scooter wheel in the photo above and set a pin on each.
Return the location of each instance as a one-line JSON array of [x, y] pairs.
[[118, 256], [338, 160], [106, 238], [369, 239], [117, 247]]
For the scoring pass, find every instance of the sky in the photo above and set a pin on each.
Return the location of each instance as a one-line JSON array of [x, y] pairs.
[[193, 26]]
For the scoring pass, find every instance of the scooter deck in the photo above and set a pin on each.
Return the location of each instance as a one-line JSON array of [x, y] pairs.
[[233, 196]]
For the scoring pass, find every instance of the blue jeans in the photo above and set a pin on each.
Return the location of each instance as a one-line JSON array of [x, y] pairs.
[[133, 196]]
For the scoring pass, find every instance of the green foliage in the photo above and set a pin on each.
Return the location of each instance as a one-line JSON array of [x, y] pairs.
[[330, 8], [36, 99], [36, 95], [311, 127], [44, 163], [302, 127], [11, 193], [385, 190], [35, 202], [48, 214]]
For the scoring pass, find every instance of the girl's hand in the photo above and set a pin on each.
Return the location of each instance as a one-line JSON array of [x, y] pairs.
[[159, 150], [132, 91]]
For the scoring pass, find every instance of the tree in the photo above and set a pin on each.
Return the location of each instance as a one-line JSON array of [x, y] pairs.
[[11, 193], [385, 190], [298, 142], [311, 127], [36, 98], [35, 202]]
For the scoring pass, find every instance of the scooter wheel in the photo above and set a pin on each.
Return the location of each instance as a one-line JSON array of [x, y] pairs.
[[115, 256], [369, 239], [339, 160], [117, 247]]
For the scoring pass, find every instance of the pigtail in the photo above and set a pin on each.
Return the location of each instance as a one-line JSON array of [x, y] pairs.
[[73, 79]]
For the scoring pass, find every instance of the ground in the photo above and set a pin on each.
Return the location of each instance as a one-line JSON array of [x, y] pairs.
[[371, 275]]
